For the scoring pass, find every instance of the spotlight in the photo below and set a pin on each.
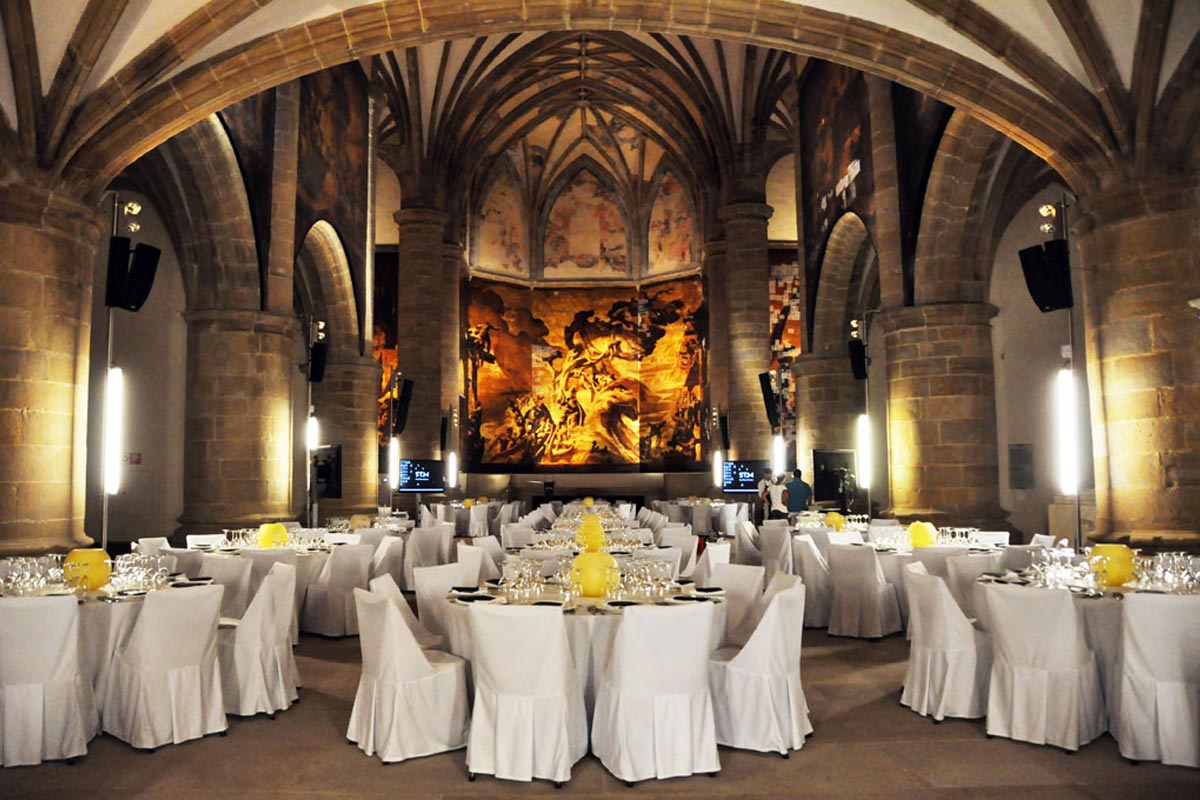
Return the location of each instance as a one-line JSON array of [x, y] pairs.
[[1046, 227], [133, 226], [114, 434], [312, 433], [452, 469], [1048, 210], [718, 467], [863, 430], [133, 208], [1067, 457], [393, 462]]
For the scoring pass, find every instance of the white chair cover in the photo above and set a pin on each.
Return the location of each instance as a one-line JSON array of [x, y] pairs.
[[948, 661], [813, 570], [962, 572], [743, 584], [714, 553], [46, 707], [516, 534], [702, 519], [746, 549], [292, 524], [427, 547], [1019, 556], [493, 557], [164, 685], [261, 561], [820, 537], [470, 563], [388, 559], [758, 701], [329, 603], [529, 719], [189, 562], [477, 520], [864, 603], [880, 522], [727, 518], [654, 710], [675, 512], [671, 555], [432, 585], [844, 537], [1042, 540], [1045, 684], [780, 582], [151, 546], [410, 702], [743, 512], [425, 518], [994, 538], [1159, 714], [687, 544], [194, 540], [934, 558], [234, 574], [371, 536], [340, 538], [258, 670], [776, 541], [386, 586]]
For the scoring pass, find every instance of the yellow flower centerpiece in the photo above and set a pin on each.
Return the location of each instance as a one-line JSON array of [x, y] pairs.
[[1114, 563], [591, 564], [468, 503], [834, 520], [588, 502], [272, 535], [94, 567], [483, 499], [922, 534]]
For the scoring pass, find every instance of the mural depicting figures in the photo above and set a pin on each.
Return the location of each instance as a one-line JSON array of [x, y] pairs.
[[671, 222], [594, 378], [502, 230], [585, 232]]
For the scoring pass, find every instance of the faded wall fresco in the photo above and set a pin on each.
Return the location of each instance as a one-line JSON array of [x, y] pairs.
[[585, 232], [786, 318], [502, 228], [596, 378], [671, 222]]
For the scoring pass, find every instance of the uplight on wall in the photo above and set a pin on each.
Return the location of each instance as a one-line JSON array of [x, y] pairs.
[[393, 462], [718, 467], [114, 429], [778, 455], [863, 445], [1066, 425], [452, 470], [312, 433]]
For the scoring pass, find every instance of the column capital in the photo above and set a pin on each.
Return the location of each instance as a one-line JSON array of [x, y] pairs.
[[363, 365], [57, 213], [1135, 199], [237, 319], [895, 319], [430, 217], [735, 212], [715, 248], [821, 364]]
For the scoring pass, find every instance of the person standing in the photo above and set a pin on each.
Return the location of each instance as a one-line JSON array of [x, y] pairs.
[[799, 493], [777, 499]]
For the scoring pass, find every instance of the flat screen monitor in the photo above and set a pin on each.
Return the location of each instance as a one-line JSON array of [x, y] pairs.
[[421, 475], [743, 476]]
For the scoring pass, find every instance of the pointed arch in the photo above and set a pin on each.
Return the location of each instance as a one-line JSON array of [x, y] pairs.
[[848, 247], [672, 225], [327, 289], [596, 209]]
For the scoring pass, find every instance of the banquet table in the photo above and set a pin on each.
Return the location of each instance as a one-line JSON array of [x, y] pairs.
[[701, 516], [460, 515]]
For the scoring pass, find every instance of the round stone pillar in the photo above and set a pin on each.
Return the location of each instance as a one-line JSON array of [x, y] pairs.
[[420, 326], [347, 404], [238, 430], [717, 297], [47, 252], [942, 414], [1140, 254], [828, 402], [748, 288]]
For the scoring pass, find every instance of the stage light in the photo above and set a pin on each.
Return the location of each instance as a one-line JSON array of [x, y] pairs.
[[114, 433], [452, 470], [865, 464], [1048, 210], [778, 456], [393, 462], [1065, 426], [312, 433], [718, 467]]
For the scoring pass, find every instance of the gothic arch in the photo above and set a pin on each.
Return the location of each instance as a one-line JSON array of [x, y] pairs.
[[846, 252], [323, 273]]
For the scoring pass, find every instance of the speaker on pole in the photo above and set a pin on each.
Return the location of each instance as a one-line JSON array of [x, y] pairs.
[[858, 358], [1047, 271], [723, 422], [130, 276], [399, 406], [769, 399], [443, 434], [318, 354]]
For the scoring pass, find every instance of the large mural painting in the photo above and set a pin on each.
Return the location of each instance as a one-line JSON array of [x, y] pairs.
[[595, 378], [586, 232], [670, 239], [502, 230]]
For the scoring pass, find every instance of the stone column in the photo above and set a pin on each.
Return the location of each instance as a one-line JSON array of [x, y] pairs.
[[828, 402], [238, 429], [454, 263], [717, 297], [1140, 251], [420, 308], [47, 252], [942, 413], [747, 278], [347, 404]]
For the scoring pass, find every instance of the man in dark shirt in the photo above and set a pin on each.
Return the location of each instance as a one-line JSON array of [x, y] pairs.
[[799, 493]]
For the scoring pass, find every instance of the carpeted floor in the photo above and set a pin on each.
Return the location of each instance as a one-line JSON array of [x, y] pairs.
[[866, 745]]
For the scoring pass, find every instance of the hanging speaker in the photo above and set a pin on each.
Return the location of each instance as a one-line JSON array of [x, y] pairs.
[[400, 406], [130, 279], [858, 358], [118, 271], [445, 430], [318, 354], [723, 421], [769, 399], [1047, 271]]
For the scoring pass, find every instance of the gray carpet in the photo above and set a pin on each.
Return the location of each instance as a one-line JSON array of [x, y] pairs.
[[866, 745]]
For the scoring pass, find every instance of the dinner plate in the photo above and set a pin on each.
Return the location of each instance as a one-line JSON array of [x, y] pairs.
[[494, 583], [57, 593], [684, 599], [461, 590], [618, 605], [132, 593], [186, 584], [685, 581], [710, 591], [555, 603], [475, 598]]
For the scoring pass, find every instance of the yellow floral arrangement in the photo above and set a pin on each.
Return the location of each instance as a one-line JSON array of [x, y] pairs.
[[922, 534], [93, 570], [588, 502], [592, 564], [272, 535], [834, 520], [468, 503], [483, 499]]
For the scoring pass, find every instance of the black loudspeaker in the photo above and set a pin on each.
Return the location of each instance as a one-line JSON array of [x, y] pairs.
[[444, 432], [317, 356], [723, 420], [399, 408], [1047, 271], [129, 279], [769, 399], [327, 471], [858, 358]]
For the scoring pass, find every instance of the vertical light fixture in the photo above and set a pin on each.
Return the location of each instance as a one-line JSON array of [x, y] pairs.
[[312, 432], [718, 468], [1065, 427], [393, 462], [452, 470], [114, 429], [778, 455], [865, 464]]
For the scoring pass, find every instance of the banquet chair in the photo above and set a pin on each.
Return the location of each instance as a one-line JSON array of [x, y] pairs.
[[746, 547], [425, 518], [233, 573], [820, 537], [948, 660], [388, 559], [48, 709], [758, 700], [432, 585], [1158, 718], [714, 553], [780, 582], [654, 708], [994, 538], [675, 512], [258, 670], [962, 573], [410, 702], [814, 572], [883, 533], [341, 538], [884, 522], [1045, 683], [727, 518], [506, 515], [776, 542], [688, 545], [528, 719], [1019, 556], [643, 515], [290, 524], [329, 601], [164, 684], [844, 537], [194, 540], [743, 512], [864, 603], [625, 510], [1041, 540], [702, 519], [371, 536], [187, 561], [151, 546], [655, 522], [261, 560], [470, 562], [386, 586], [671, 555], [493, 557], [477, 520], [743, 585], [644, 535], [548, 511], [427, 547], [516, 534], [934, 558]]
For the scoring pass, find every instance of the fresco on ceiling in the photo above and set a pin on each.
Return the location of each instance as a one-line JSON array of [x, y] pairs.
[[671, 224], [835, 151], [502, 234], [585, 235], [594, 378], [786, 319]]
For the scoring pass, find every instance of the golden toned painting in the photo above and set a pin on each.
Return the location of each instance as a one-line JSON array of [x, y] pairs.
[[584, 378]]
